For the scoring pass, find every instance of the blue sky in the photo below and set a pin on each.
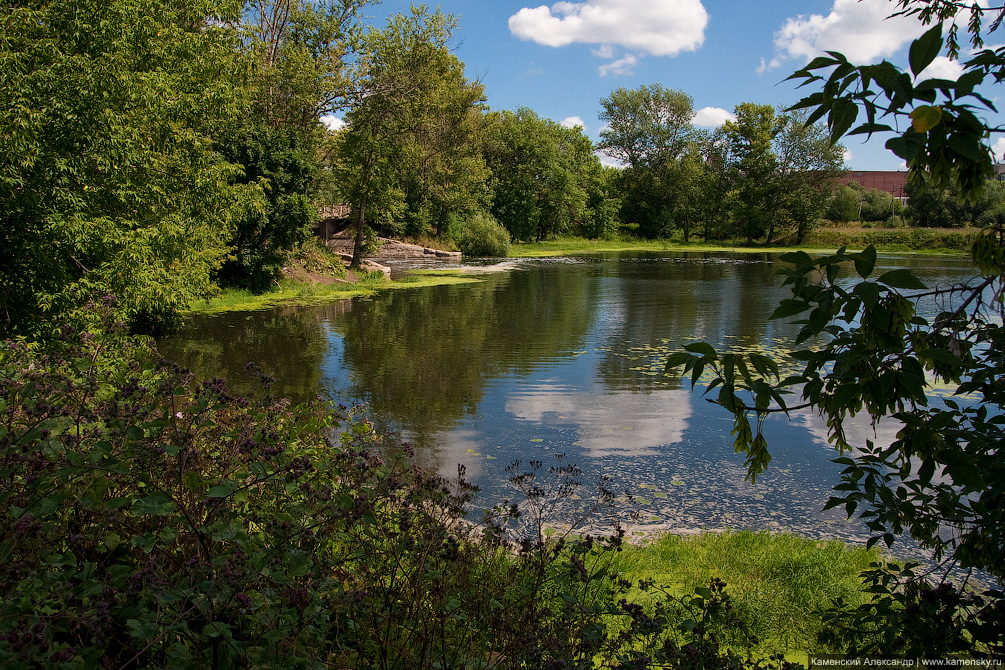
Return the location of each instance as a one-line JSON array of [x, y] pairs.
[[561, 58]]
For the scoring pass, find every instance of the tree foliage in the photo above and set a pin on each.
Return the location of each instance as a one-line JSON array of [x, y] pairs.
[[303, 52], [284, 165], [875, 345], [650, 129], [541, 173], [401, 77], [754, 167], [107, 173]]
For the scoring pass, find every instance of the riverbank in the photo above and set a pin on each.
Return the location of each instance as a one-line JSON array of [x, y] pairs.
[[290, 291], [317, 287], [821, 241]]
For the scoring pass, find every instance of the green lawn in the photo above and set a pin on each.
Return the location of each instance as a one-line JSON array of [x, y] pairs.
[[778, 582]]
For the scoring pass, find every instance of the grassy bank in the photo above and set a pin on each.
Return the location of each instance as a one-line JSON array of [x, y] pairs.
[[822, 241], [933, 240], [778, 583], [292, 292]]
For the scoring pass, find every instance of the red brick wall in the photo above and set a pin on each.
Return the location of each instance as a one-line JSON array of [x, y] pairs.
[[891, 181]]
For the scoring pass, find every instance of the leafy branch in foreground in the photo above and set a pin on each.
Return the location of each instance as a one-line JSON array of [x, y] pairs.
[[874, 345], [935, 121]]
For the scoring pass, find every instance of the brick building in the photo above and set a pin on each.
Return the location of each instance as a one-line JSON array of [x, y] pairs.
[[891, 181], [894, 181]]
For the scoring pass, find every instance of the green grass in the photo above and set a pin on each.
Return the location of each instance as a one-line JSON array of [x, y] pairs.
[[778, 582], [575, 245], [823, 241], [304, 293]]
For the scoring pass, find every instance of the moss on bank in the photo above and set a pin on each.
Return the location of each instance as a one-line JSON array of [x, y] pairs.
[[779, 583], [294, 292], [824, 240]]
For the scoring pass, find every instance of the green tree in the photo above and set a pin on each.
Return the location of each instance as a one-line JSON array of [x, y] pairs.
[[108, 179], [650, 130], [843, 205], [754, 168], [303, 51], [714, 187], [300, 53], [443, 173], [932, 207], [809, 166], [603, 204], [541, 173], [397, 89], [284, 165]]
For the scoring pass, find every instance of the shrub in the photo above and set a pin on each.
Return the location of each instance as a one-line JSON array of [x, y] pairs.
[[151, 521], [316, 257], [484, 236]]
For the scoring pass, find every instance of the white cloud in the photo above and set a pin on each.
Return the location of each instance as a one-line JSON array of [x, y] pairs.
[[657, 28], [860, 29], [847, 156], [332, 122], [572, 122], [942, 68], [605, 51], [998, 150], [607, 161], [621, 66], [609, 424], [712, 117]]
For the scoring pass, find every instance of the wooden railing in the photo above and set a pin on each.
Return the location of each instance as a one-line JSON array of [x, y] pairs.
[[334, 211]]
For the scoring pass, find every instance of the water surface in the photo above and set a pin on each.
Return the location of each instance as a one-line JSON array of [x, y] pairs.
[[562, 356]]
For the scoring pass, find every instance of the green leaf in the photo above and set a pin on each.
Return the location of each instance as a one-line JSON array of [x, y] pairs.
[[222, 490], [925, 49], [907, 145], [703, 348], [869, 292], [675, 360], [158, 504], [696, 373], [789, 308], [727, 399], [842, 117], [47, 506], [925, 117], [940, 356], [968, 146], [869, 129], [902, 278], [865, 261]]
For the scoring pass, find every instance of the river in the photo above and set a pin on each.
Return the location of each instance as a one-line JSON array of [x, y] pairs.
[[563, 356]]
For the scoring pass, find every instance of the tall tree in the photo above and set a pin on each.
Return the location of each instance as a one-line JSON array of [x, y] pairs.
[[398, 77], [650, 130], [540, 173], [107, 174], [442, 169], [809, 166], [647, 127], [303, 51], [754, 167]]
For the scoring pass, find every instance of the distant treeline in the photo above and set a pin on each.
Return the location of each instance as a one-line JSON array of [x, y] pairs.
[[156, 151]]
